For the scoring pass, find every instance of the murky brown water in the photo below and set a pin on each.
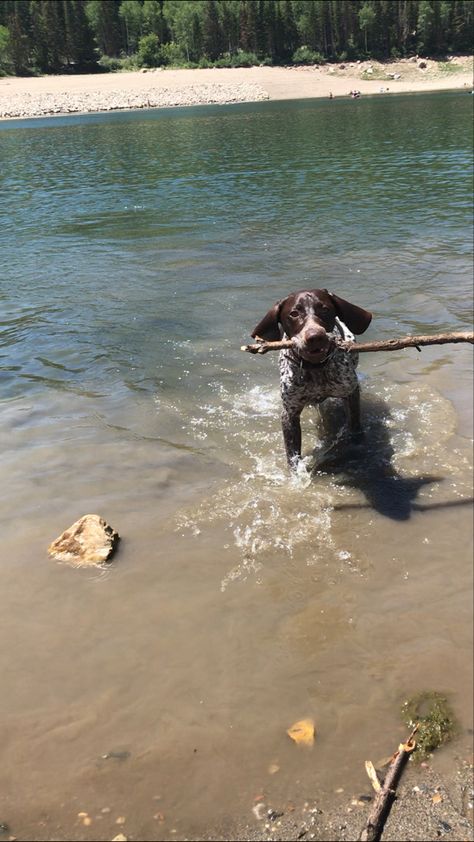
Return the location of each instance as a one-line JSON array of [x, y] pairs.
[[240, 600]]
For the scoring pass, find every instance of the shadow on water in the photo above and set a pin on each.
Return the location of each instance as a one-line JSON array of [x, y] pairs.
[[367, 465]]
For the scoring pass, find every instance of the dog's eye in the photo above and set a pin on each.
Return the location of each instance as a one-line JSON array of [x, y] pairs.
[[293, 314]]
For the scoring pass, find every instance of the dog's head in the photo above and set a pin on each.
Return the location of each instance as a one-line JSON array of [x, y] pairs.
[[308, 317]]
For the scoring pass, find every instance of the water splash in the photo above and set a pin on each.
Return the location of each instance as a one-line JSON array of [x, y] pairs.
[[270, 514]]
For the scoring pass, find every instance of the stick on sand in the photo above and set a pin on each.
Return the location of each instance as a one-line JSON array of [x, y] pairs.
[[386, 792], [262, 347]]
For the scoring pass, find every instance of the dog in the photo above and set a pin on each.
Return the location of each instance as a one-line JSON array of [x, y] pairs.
[[315, 367]]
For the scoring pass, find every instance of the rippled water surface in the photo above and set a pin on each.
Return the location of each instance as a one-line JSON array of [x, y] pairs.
[[138, 251]]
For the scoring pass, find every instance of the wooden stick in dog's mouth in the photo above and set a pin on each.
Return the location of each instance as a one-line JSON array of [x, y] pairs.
[[261, 346]]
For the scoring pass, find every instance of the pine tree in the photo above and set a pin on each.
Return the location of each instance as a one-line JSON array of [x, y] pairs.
[[40, 53], [260, 40], [20, 35], [131, 14], [462, 25], [248, 25], [212, 33], [290, 33], [79, 39], [269, 26], [196, 48], [367, 20], [104, 19], [230, 25], [425, 27], [155, 21], [47, 35], [310, 26]]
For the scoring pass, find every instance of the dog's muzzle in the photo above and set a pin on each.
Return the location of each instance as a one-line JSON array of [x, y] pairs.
[[313, 344]]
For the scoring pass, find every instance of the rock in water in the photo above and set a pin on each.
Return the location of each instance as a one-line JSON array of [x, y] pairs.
[[89, 541]]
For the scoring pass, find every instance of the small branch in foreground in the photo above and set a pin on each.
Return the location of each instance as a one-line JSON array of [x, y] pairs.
[[262, 347], [386, 793]]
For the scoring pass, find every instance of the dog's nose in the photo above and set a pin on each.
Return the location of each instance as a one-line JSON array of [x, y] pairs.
[[315, 339]]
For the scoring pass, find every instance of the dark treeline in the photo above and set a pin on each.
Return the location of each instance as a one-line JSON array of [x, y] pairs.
[[51, 36]]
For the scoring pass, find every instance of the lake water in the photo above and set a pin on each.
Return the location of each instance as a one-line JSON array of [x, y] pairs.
[[138, 251]]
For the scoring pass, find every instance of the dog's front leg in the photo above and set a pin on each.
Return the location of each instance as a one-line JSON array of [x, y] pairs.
[[352, 404], [290, 423]]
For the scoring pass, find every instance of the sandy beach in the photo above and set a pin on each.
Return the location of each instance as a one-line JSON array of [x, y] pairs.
[[40, 96]]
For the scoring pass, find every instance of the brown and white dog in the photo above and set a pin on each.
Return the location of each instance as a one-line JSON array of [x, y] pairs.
[[315, 368]]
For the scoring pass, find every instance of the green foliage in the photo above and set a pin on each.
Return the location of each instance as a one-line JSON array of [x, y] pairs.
[[304, 55], [103, 16], [223, 61], [79, 43], [5, 61], [131, 13], [367, 19], [172, 53], [242, 58], [437, 723], [213, 36], [110, 63], [149, 51], [153, 19], [426, 27], [448, 67], [49, 36], [185, 28]]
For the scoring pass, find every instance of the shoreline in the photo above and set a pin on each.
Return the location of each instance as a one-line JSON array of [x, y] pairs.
[[430, 804], [26, 98]]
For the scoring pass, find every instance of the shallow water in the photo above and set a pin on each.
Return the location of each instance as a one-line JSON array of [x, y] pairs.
[[139, 251]]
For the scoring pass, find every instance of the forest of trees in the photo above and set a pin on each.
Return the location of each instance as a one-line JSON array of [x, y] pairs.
[[53, 36]]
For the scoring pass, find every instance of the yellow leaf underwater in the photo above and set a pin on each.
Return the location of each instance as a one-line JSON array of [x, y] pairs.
[[302, 732]]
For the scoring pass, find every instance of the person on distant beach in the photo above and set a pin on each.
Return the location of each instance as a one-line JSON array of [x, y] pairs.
[[330, 95]]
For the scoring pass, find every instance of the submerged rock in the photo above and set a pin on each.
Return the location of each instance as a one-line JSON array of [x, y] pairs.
[[89, 541]]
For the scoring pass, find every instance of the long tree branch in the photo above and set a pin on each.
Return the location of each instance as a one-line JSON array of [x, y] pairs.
[[386, 793], [262, 347]]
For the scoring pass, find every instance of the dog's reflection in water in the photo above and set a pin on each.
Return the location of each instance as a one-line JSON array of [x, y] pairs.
[[366, 464]]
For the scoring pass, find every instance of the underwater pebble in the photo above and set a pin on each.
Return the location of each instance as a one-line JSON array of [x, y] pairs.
[[257, 811]]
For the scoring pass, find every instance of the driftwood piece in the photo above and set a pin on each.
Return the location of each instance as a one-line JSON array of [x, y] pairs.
[[261, 346], [386, 793]]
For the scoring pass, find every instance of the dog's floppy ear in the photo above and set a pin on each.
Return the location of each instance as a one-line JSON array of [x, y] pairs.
[[268, 327], [356, 318]]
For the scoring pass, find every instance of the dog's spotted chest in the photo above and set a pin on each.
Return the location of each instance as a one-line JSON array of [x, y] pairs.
[[305, 383]]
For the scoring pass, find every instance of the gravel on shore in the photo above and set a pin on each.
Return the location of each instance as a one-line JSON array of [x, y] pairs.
[[28, 105], [40, 96], [429, 806]]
